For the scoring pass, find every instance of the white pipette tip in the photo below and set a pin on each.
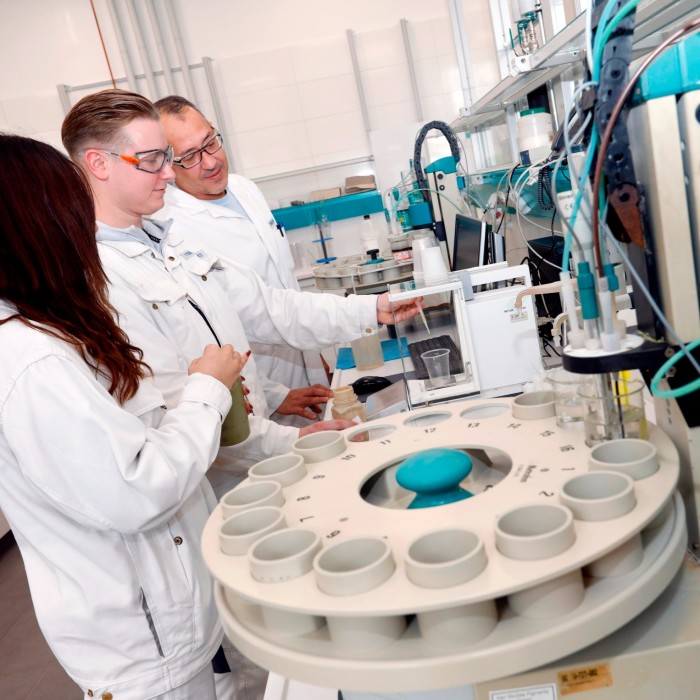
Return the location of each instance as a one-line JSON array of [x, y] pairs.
[[422, 315]]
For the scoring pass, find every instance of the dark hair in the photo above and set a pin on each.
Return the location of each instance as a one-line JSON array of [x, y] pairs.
[[175, 105], [50, 269], [97, 120]]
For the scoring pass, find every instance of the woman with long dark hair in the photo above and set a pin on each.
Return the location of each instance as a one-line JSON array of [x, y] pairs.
[[103, 486]]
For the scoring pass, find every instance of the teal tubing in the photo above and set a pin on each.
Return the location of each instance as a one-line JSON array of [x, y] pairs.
[[684, 390], [599, 44], [579, 194], [609, 29]]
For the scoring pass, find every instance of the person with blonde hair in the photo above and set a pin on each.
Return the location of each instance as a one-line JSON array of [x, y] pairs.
[[173, 297]]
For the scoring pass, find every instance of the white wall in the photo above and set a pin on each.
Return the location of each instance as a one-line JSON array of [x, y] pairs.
[[283, 69]]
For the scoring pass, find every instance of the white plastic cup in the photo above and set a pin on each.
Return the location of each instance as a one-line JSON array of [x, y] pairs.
[[283, 555], [284, 469], [533, 405], [251, 495], [599, 495], [445, 558], [418, 245], [320, 446], [553, 598], [636, 458], [535, 532], [437, 362], [354, 566], [534, 130], [240, 531], [361, 636], [434, 269], [459, 626]]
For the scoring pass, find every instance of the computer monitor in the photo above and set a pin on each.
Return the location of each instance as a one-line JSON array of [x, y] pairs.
[[472, 245]]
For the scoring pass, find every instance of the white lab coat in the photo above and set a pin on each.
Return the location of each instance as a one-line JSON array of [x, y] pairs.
[[96, 496], [151, 288], [260, 246]]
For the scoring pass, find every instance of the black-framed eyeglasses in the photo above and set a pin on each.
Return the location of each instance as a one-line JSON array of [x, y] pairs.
[[149, 161], [189, 160]]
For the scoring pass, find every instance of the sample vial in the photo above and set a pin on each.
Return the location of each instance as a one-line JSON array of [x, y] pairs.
[[346, 405]]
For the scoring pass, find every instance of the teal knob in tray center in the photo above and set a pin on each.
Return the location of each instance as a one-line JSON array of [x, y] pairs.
[[435, 475]]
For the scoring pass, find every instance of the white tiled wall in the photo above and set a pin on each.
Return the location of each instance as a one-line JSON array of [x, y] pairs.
[[284, 72]]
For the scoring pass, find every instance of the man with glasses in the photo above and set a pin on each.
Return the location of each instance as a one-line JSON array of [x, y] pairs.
[[228, 214]]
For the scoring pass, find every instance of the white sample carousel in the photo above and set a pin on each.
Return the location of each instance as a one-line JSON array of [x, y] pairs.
[[324, 574]]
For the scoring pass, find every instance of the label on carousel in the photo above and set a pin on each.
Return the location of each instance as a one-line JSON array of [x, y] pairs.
[[587, 678], [534, 692]]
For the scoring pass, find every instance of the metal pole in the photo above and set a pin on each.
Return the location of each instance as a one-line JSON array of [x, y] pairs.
[[63, 91], [208, 64], [190, 92], [411, 69], [119, 33], [141, 46], [358, 79], [459, 33], [160, 45]]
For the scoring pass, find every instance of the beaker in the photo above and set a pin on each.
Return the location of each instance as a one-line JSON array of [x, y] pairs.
[[613, 408], [367, 350], [568, 405]]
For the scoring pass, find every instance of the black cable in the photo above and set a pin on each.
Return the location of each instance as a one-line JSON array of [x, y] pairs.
[[447, 132], [544, 186], [546, 341]]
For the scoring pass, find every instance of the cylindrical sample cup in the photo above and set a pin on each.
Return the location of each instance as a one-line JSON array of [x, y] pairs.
[[601, 495], [533, 405], [613, 409], [283, 555], [284, 469], [445, 558], [252, 495], [437, 362], [636, 458], [361, 636], [458, 626], [434, 268], [553, 598], [354, 566], [535, 532], [240, 531], [318, 447]]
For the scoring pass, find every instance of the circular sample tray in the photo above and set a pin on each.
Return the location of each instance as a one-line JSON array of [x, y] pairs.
[[514, 613]]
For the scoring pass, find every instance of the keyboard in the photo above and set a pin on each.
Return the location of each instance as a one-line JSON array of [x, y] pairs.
[[437, 343]]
